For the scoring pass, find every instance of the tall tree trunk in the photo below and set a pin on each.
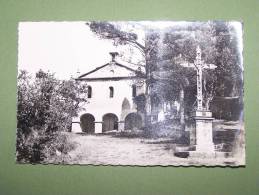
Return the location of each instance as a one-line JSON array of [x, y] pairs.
[[181, 98], [147, 107], [147, 114]]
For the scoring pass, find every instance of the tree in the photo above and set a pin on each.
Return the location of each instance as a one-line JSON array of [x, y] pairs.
[[140, 101], [219, 43], [119, 36], [171, 84], [163, 49], [154, 62], [169, 79], [45, 107]]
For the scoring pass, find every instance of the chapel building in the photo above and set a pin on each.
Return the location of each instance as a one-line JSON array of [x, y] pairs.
[[112, 88]]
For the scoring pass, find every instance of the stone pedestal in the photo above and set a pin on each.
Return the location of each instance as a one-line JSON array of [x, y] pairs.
[[203, 132]]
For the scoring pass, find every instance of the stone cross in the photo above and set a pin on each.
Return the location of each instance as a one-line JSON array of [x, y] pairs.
[[199, 65], [202, 135]]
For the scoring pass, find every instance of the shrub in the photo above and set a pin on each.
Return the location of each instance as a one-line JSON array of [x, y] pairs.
[[45, 108]]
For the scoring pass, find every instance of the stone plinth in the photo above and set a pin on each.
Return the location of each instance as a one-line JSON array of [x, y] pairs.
[[203, 132]]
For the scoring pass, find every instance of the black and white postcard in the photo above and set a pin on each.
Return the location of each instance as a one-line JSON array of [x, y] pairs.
[[147, 93]]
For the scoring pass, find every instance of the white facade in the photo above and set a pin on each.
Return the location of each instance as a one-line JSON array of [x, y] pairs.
[[110, 99]]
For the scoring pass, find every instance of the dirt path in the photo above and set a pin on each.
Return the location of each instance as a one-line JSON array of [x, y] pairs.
[[105, 149]]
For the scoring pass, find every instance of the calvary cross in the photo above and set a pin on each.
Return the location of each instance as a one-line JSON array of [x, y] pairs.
[[199, 65]]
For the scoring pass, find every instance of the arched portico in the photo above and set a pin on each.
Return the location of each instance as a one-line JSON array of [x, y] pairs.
[[110, 122], [133, 121], [87, 123]]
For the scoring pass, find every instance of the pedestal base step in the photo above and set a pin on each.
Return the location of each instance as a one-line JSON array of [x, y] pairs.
[[183, 151], [196, 154], [190, 151]]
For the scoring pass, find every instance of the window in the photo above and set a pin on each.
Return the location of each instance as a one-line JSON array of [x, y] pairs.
[[134, 91], [111, 92], [89, 92]]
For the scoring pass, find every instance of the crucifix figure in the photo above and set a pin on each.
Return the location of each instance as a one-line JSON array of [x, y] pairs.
[[199, 65]]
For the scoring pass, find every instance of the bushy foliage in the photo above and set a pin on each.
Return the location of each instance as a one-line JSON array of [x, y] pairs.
[[45, 107], [57, 149], [140, 101]]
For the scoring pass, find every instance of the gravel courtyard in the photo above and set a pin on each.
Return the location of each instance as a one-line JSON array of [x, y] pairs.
[[105, 149], [109, 150]]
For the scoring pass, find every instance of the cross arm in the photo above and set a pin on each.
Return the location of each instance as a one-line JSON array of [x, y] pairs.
[[209, 66], [188, 65]]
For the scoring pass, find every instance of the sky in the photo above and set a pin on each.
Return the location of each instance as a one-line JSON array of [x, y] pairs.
[[63, 48], [66, 48]]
